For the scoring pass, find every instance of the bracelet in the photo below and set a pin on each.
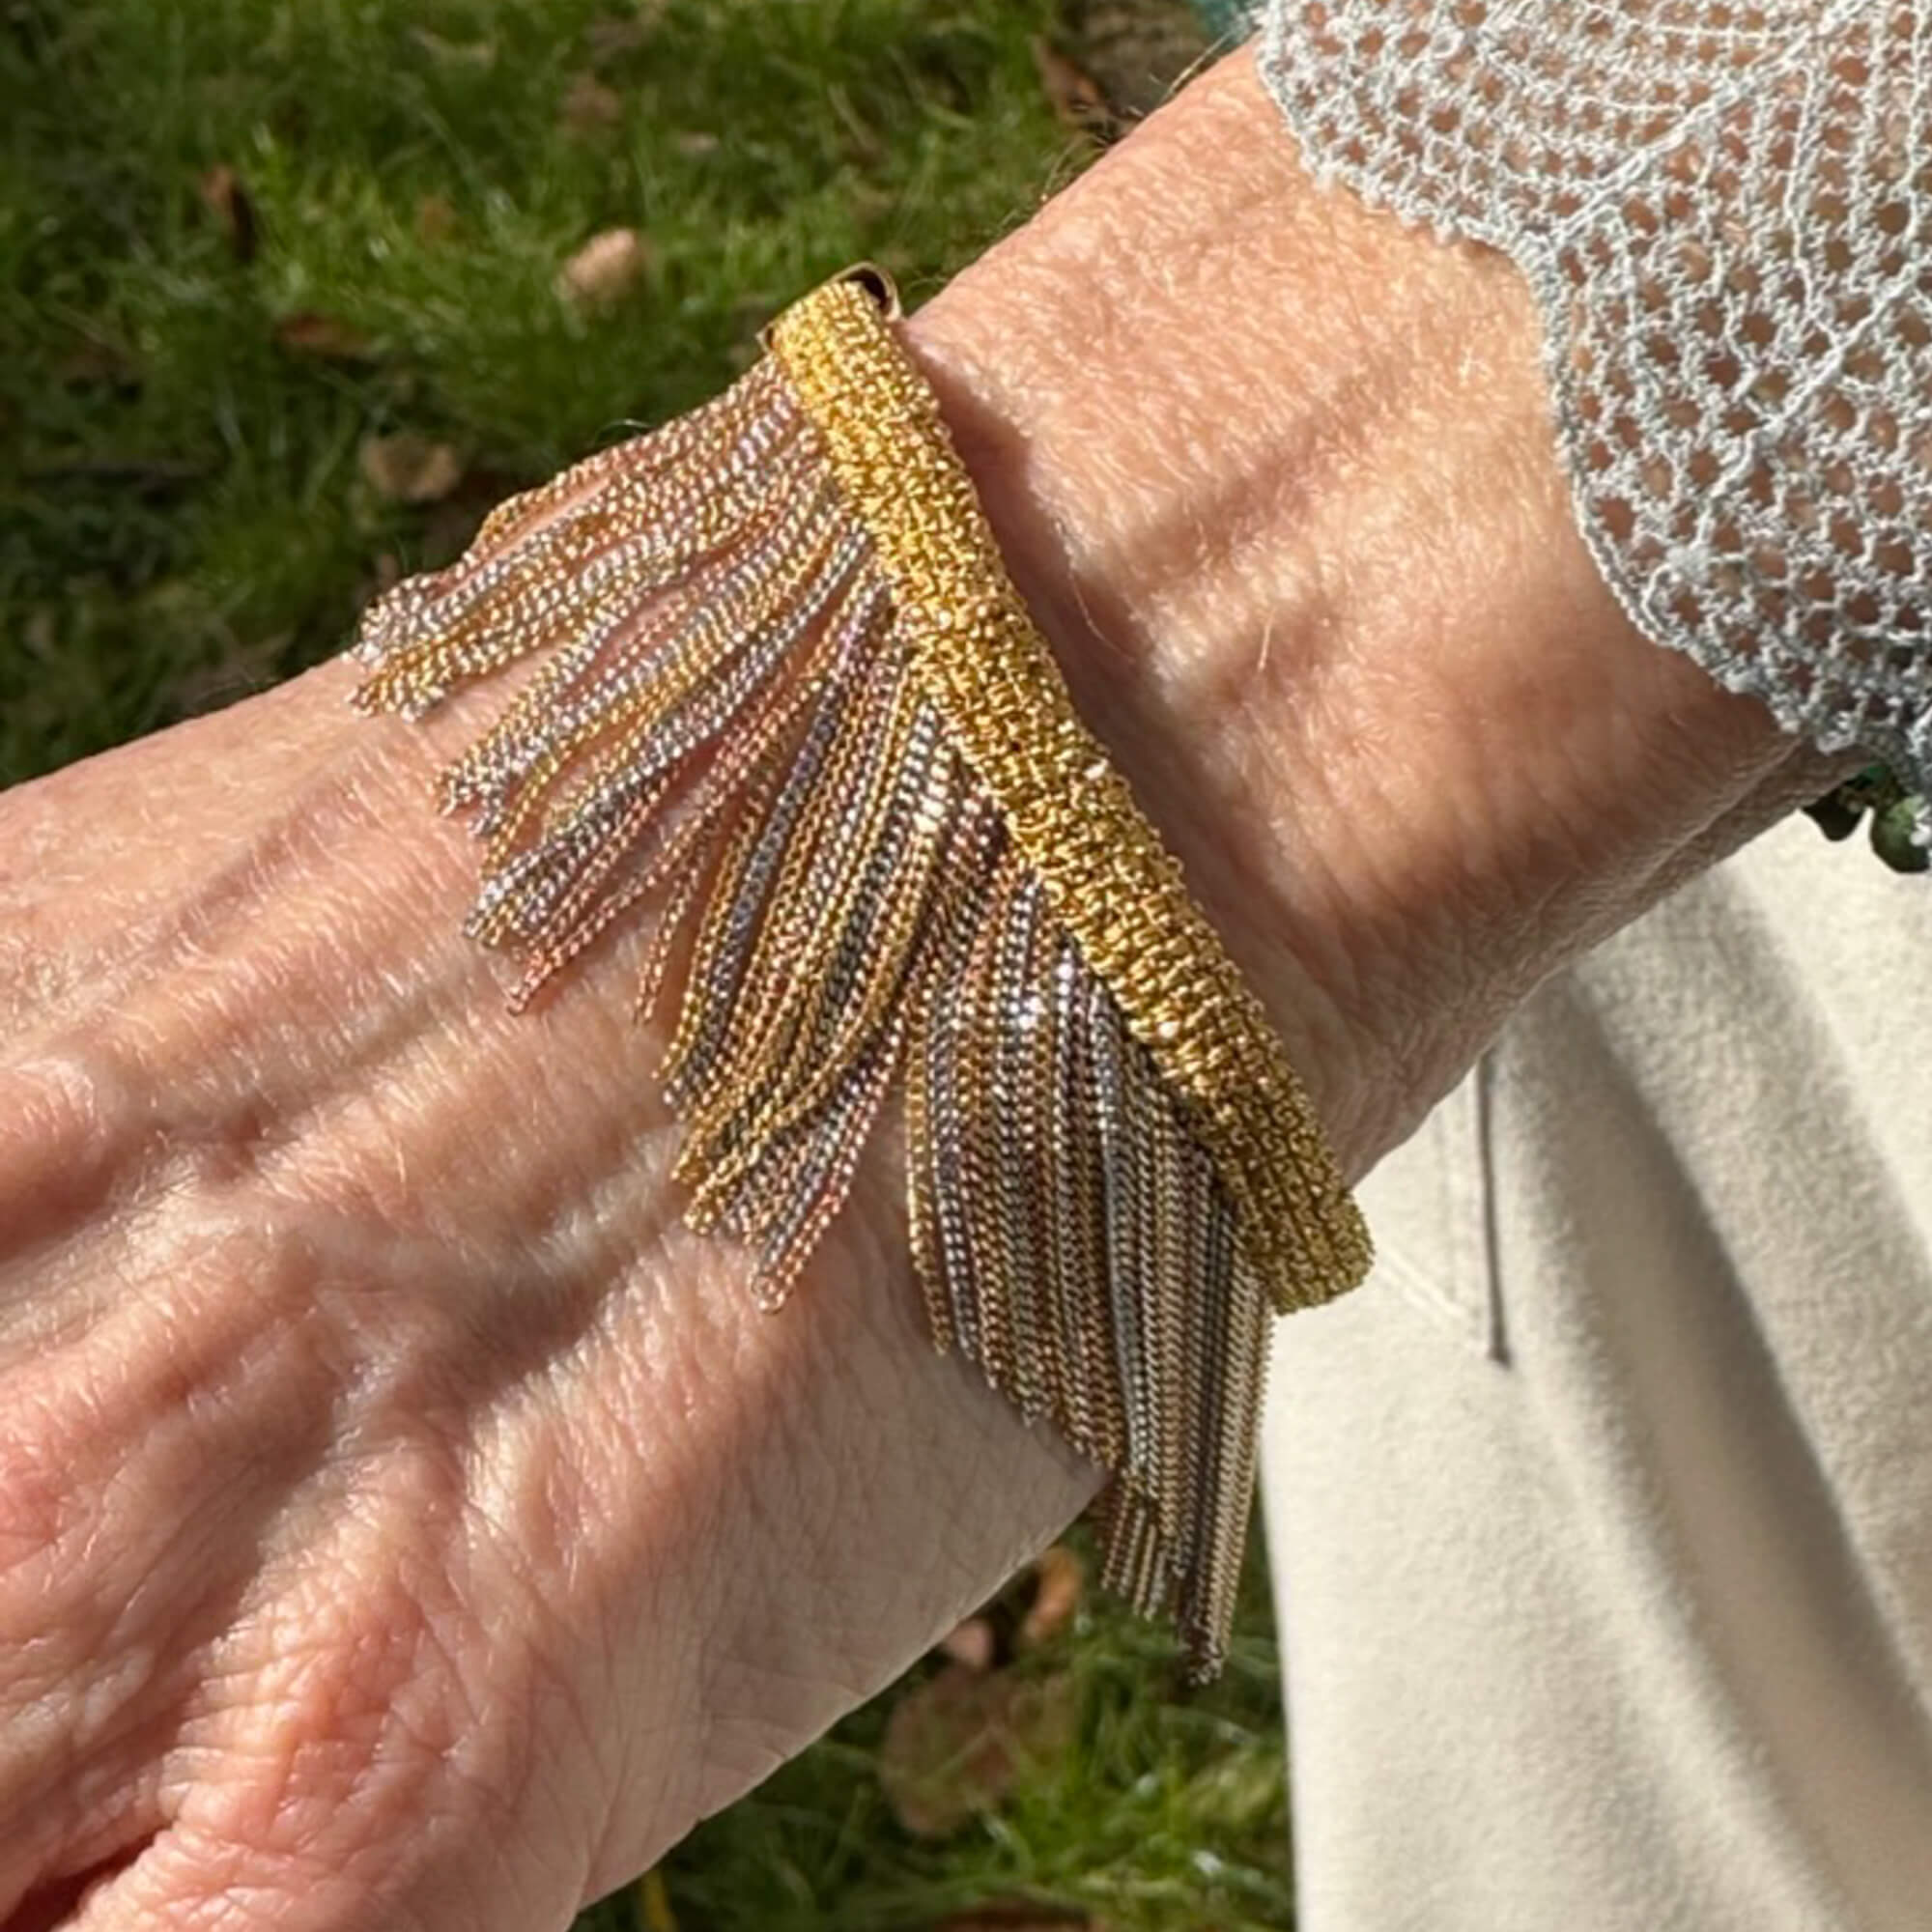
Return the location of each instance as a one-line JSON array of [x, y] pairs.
[[790, 703]]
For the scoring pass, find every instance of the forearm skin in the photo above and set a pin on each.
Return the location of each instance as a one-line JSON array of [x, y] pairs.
[[375, 1447]]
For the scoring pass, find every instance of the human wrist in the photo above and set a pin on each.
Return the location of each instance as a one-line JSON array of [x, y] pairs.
[[1276, 475]]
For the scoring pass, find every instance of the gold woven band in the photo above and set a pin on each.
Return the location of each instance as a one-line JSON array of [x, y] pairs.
[[1110, 879]]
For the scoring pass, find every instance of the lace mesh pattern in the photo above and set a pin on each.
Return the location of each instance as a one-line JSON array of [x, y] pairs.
[[1724, 210]]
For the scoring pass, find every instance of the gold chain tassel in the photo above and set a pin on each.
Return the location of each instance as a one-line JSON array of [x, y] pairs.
[[789, 702]]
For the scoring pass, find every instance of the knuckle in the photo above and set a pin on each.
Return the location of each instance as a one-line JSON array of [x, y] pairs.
[[36, 1498], [57, 1144]]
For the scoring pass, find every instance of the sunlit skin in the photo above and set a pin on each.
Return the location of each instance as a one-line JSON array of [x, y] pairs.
[[403, 1523]]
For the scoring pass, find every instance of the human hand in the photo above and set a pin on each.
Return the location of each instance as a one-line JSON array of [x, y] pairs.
[[403, 1522]]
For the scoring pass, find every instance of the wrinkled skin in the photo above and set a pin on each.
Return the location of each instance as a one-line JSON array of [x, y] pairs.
[[403, 1522], [392, 1495]]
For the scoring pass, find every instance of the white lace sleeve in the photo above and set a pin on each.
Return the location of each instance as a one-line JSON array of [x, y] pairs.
[[1724, 208]]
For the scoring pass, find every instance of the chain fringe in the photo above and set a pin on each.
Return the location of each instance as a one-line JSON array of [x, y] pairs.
[[730, 733]]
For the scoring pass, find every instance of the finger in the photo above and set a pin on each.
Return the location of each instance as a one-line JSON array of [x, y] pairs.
[[53, 1905], [200, 1882], [358, 1776], [111, 1835], [385, 1736], [142, 1466]]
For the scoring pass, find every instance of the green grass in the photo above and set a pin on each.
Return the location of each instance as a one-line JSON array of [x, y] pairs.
[[183, 517], [1167, 1814]]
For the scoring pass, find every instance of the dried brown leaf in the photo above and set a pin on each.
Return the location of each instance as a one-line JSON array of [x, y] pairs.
[[1075, 96], [1136, 51], [1060, 1583], [618, 33], [957, 1743], [227, 200], [605, 269], [436, 218], [971, 1643], [326, 336], [410, 468], [590, 107]]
